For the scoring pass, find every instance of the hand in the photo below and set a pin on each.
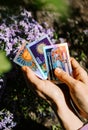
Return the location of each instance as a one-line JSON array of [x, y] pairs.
[[53, 94], [78, 85]]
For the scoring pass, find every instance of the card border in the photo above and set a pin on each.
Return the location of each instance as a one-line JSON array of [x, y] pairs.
[[15, 61], [68, 54], [33, 43]]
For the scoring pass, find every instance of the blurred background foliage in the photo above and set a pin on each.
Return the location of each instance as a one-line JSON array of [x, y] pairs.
[[5, 64], [65, 11], [62, 6], [74, 29]]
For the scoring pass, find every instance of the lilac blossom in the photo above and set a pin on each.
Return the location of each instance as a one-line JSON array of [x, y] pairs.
[[19, 29], [6, 120], [23, 27]]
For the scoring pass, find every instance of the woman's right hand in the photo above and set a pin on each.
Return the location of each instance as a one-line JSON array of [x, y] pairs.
[[78, 85]]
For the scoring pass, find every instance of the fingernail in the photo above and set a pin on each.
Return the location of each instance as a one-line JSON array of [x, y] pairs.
[[57, 70], [24, 68]]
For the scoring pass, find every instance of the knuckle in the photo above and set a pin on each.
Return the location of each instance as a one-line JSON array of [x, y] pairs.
[[64, 75], [76, 84]]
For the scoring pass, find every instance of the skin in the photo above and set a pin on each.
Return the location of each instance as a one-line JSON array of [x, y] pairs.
[[79, 81], [51, 92]]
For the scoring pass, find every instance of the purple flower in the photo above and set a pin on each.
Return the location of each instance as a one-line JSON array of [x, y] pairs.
[[19, 30], [6, 120]]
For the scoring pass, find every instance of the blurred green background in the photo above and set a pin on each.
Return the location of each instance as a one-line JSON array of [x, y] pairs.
[[70, 21]]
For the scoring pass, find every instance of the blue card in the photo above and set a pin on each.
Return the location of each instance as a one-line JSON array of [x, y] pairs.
[[36, 50], [57, 56], [24, 58]]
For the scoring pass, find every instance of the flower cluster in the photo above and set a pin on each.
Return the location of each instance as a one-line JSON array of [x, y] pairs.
[[20, 28], [6, 120], [16, 29]]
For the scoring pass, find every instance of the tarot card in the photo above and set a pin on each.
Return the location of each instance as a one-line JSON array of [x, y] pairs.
[[36, 50], [57, 56], [23, 58]]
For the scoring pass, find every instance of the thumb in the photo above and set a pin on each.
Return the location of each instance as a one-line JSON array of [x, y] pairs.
[[31, 76], [65, 77]]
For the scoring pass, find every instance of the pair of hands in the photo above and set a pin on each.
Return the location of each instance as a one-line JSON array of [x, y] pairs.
[[78, 88]]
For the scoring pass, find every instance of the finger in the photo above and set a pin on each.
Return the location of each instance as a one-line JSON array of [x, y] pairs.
[[44, 88], [78, 72], [76, 65], [65, 77], [40, 94], [31, 76]]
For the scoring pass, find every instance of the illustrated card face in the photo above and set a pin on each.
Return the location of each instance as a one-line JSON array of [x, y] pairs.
[[57, 56], [36, 50], [24, 58]]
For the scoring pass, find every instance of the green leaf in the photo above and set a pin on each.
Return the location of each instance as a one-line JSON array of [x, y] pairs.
[[61, 6], [5, 64], [36, 4]]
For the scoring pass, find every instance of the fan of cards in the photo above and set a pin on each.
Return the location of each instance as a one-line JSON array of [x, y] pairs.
[[43, 57]]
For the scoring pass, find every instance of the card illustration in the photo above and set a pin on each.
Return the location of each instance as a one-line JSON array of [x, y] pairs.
[[57, 56], [36, 50], [24, 58]]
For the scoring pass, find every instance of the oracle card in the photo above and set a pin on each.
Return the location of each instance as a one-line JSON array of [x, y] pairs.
[[36, 50], [57, 56], [23, 58]]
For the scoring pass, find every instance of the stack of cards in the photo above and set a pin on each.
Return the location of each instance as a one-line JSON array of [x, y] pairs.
[[43, 57], [31, 54], [57, 56]]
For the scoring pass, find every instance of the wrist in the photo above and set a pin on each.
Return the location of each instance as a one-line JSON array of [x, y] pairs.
[[69, 120], [84, 127]]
